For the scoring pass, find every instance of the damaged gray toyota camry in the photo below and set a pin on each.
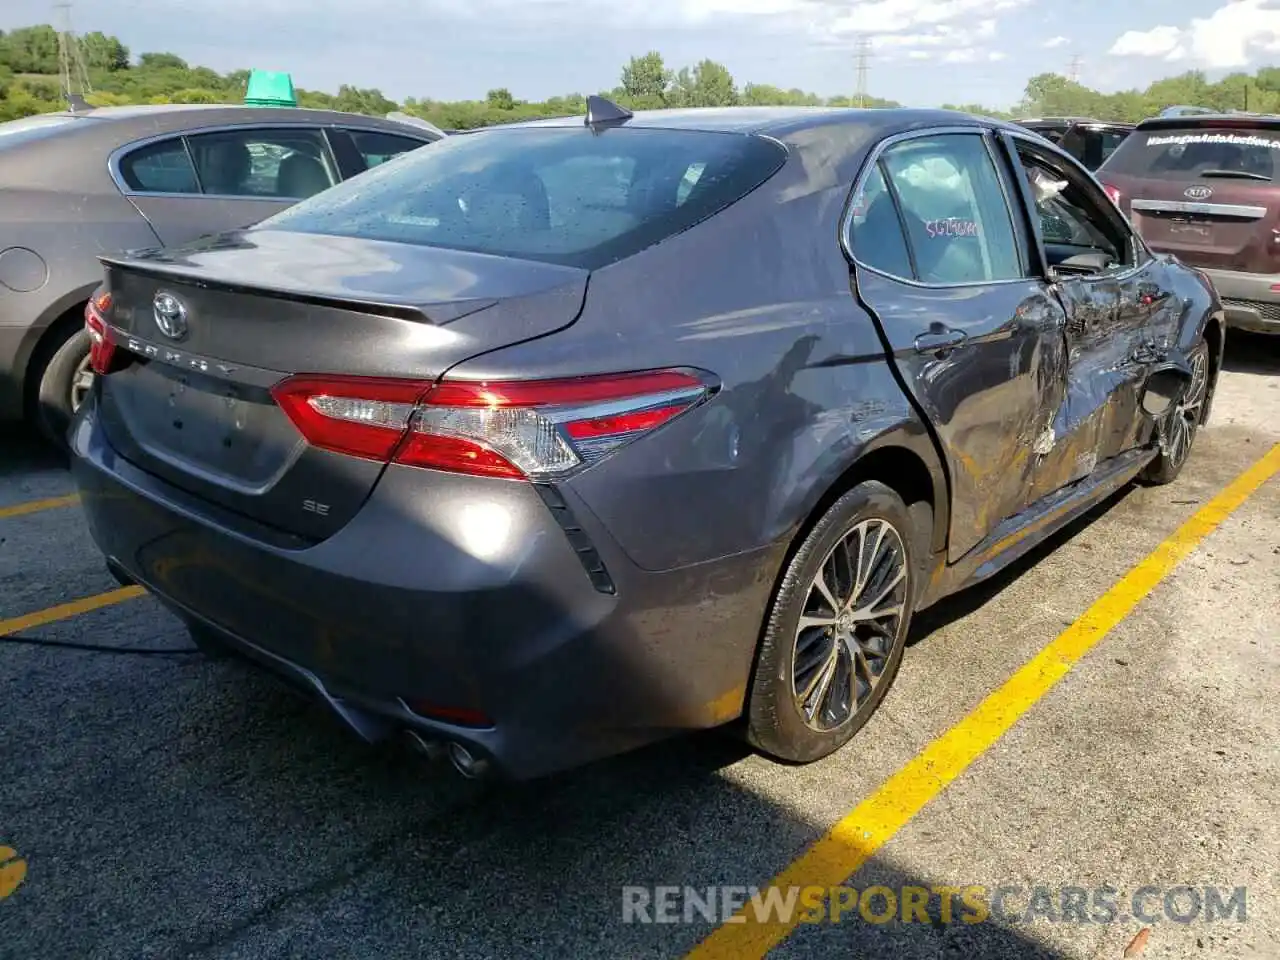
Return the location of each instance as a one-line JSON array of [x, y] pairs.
[[565, 436]]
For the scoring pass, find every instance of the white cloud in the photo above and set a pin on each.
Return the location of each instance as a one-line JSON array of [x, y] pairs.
[[1232, 36], [1055, 42]]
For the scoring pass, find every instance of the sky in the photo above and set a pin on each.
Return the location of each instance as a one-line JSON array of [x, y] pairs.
[[923, 52]]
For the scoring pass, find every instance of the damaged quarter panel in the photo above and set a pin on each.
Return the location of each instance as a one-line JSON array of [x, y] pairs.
[[759, 297]]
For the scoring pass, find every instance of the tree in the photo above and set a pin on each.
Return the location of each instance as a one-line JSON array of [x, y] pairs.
[[102, 52], [162, 61], [500, 99], [709, 84], [646, 78], [31, 50], [357, 100]]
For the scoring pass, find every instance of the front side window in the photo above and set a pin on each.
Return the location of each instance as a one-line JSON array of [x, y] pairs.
[[263, 164], [1073, 219], [566, 195], [163, 167], [954, 207]]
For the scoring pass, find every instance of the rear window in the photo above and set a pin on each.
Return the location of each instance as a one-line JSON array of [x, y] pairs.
[[554, 194], [14, 132], [1195, 152]]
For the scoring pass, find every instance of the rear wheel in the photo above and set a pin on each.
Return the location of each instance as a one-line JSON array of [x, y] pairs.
[[836, 629], [1182, 422], [64, 384]]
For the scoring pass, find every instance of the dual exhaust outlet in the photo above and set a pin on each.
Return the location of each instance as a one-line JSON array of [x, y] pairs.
[[463, 760]]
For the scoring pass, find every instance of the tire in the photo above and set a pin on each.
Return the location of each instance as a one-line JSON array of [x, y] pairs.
[[1182, 423], [799, 729], [62, 386]]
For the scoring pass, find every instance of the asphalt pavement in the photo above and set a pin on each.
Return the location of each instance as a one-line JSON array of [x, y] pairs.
[[154, 804]]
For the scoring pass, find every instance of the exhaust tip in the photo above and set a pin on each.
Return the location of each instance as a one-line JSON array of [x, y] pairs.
[[433, 750], [470, 766]]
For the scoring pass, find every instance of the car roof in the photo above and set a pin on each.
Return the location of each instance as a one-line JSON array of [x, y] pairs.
[[73, 155], [169, 117], [780, 121]]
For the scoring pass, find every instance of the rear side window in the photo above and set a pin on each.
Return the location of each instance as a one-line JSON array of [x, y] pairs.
[[957, 219], [1194, 152], [377, 147], [560, 195], [875, 231], [161, 167]]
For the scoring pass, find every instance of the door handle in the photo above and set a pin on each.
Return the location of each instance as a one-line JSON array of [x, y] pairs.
[[939, 339]]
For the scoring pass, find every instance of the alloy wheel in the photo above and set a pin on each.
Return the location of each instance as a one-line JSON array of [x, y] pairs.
[[1186, 414], [852, 618], [81, 383]]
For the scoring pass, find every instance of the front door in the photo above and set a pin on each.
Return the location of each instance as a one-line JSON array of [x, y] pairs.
[[1120, 314], [977, 339]]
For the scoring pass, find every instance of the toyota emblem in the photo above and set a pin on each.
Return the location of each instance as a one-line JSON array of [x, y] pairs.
[[170, 315], [1198, 192]]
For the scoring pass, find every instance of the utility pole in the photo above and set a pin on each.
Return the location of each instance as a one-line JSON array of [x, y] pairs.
[[1073, 69], [864, 54], [71, 59]]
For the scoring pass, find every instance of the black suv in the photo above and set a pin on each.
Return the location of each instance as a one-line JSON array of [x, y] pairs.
[[1089, 141]]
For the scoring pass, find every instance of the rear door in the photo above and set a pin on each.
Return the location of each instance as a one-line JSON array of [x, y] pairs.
[[193, 185], [976, 338], [1205, 191]]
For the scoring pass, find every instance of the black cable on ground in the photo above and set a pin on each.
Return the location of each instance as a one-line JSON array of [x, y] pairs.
[[101, 648]]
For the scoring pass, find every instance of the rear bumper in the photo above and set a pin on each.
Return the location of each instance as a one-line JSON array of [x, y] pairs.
[[397, 610], [1248, 300]]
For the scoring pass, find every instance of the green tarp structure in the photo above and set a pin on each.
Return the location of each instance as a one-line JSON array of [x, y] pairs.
[[270, 88]]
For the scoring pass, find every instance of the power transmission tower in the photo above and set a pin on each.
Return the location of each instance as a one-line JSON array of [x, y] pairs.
[[71, 63], [864, 54], [1073, 69]]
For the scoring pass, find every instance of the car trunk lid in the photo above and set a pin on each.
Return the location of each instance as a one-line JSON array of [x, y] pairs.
[[210, 328]]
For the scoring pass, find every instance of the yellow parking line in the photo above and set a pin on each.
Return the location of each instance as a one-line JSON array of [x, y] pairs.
[[63, 610], [34, 506], [854, 839]]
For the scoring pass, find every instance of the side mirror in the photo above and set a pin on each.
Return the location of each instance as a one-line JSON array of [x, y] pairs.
[[1162, 390]]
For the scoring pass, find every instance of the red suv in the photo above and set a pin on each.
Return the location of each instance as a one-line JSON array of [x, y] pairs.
[[1204, 188]]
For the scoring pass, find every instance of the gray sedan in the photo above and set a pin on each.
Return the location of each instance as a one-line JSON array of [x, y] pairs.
[[81, 184]]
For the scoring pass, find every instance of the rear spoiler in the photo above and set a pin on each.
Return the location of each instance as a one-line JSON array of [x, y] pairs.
[[147, 263], [1245, 121]]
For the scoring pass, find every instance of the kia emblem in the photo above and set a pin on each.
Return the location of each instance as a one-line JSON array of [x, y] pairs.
[[170, 315], [1198, 192]]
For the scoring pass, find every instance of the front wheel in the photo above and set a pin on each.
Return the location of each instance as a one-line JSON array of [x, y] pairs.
[[1182, 422], [836, 629]]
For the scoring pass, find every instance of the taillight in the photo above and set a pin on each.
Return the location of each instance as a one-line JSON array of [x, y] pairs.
[[1112, 192], [101, 348], [499, 428]]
